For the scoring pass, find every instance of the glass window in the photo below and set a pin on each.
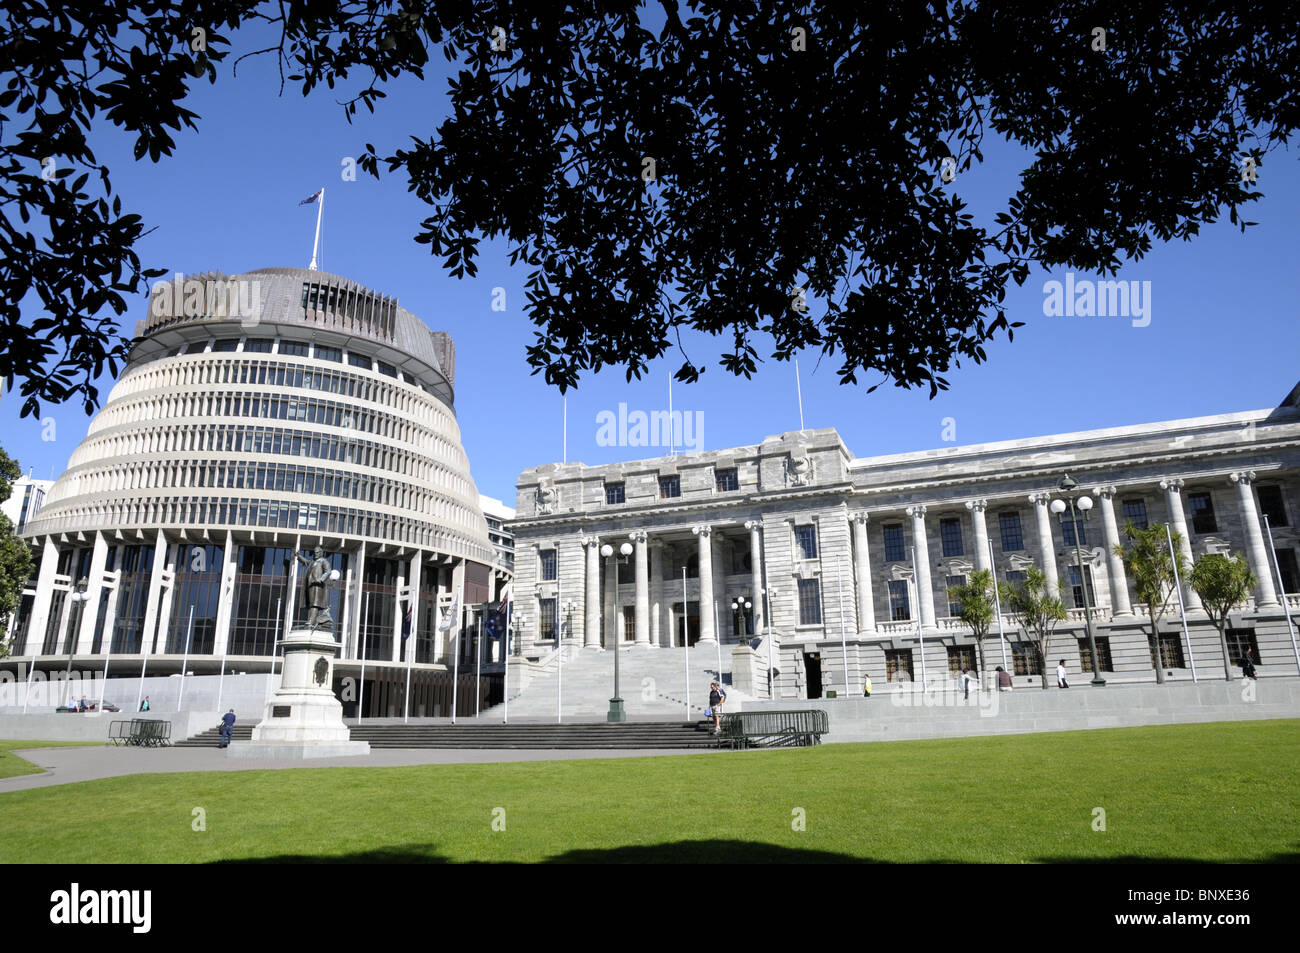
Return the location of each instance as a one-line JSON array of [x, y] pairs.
[[1286, 561], [669, 487], [900, 608], [1270, 505], [548, 564], [1171, 650], [1239, 640], [196, 347], [614, 493], [225, 344], [806, 539], [1025, 659], [954, 606], [1202, 508], [259, 345], [1076, 586], [1136, 510], [895, 549], [546, 618], [1103, 655], [386, 369], [324, 353], [1009, 524], [726, 480], [359, 360], [294, 348], [1068, 527], [960, 658], [950, 533], [810, 602], [898, 665]]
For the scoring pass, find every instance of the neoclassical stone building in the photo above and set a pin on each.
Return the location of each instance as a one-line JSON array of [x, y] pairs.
[[864, 551], [259, 416]]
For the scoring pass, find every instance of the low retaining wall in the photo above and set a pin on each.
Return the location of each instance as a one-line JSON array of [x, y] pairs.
[[93, 726], [897, 715]]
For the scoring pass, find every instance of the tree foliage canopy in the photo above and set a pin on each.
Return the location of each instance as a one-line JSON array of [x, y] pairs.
[[15, 557], [1038, 610], [772, 173]]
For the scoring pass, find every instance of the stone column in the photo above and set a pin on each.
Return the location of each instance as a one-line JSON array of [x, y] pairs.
[[94, 592], [656, 591], [413, 605], [924, 588], [1265, 593], [44, 597], [226, 599], [1178, 523], [756, 572], [705, 537], [1045, 544], [641, 618], [592, 595], [1119, 600], [862, 569], [977, 508]]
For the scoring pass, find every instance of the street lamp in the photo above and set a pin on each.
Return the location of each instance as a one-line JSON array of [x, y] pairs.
[[616, 712], [740, 610], [1075, 504], [78, 597]]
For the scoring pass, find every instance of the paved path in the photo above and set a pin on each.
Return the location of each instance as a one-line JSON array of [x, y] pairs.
[[73, 764]]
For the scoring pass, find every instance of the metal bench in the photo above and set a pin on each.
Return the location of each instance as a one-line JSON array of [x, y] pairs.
[[774, 729]]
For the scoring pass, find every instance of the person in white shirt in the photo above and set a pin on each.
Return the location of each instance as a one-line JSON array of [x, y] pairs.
[[1060, 675]]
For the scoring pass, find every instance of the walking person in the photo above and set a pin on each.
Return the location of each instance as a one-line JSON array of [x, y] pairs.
[[144, 705], [227, 728], [1248, 664], [716, 697], [866, 686], [966, 679], [1060, 675], [1004, 679]]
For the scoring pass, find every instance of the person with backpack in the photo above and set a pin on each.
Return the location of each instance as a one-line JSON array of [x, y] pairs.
[[716, 697]]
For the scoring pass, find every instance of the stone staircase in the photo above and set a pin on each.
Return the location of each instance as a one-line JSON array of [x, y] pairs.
[[652, 682]]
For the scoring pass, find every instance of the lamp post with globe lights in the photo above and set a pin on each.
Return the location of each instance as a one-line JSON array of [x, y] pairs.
[[616, 711], [741, 611], [1076, 504]]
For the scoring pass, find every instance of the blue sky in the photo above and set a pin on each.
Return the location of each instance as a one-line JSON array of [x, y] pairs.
[[1222, 332]]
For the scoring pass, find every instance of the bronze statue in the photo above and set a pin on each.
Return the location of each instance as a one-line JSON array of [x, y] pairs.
[[314, 585]]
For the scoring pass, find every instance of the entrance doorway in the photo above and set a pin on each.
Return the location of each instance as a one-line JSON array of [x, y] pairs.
[[812, 667], [687, 623]]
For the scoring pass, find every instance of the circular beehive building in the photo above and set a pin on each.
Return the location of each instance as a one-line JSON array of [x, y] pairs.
[[259, 416]]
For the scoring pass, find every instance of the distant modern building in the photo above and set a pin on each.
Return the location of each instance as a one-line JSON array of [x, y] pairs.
[[864, 553], [259, 416], [25, 498], [498, 515]]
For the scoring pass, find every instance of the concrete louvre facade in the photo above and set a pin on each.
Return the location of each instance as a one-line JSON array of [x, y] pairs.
[[260, 415], [828, 540]]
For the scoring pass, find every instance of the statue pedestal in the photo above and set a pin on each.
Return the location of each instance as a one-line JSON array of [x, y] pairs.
[[303, 719]]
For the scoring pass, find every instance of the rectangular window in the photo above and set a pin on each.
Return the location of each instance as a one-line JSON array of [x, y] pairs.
[[960, 658], [806, 539], [900, 608], [954, 607], [226, 344], [196, 347], [626, 572], [1239, 640], [1202, 508], [1270, 505], [1009, 524], [614, 493], [1171, 650], [895, 548], [1290, 571], [670, 487], [1076, 586], [810, 602], [898, 665], [294, 348], [1025, 659], [548, 565], [726, 480], [359, 360], [1103, 655], [1136, 510], [950, 533], [258, 345], [546, 618], [1068, 527], [1015, 577], [324, 353], [386, 369]]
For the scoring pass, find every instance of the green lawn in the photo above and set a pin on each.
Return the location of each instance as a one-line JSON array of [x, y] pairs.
[[11, 765], [1218, 792]]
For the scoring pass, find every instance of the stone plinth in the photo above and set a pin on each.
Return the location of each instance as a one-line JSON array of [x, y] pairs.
[[303, 718]]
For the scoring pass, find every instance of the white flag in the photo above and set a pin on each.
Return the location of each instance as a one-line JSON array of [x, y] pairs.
[[449, 617]]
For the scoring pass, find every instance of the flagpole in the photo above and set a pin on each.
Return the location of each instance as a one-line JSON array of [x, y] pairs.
[[672, 430], [316, 242], [997, 601], [108, 653], [478, 659], [1281, 589], [920, 634], [844, 647], [767, 594], [1182, 609], [717, 622], [799, 390], [455, 655], [505, 665], [185, 661], [365, 631], [686, 636], [566, 428]]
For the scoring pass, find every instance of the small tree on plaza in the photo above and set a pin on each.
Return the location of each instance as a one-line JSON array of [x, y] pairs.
[[1038, 611], [1150, 565], [976, 607], [1223, 583], [15, 557]]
